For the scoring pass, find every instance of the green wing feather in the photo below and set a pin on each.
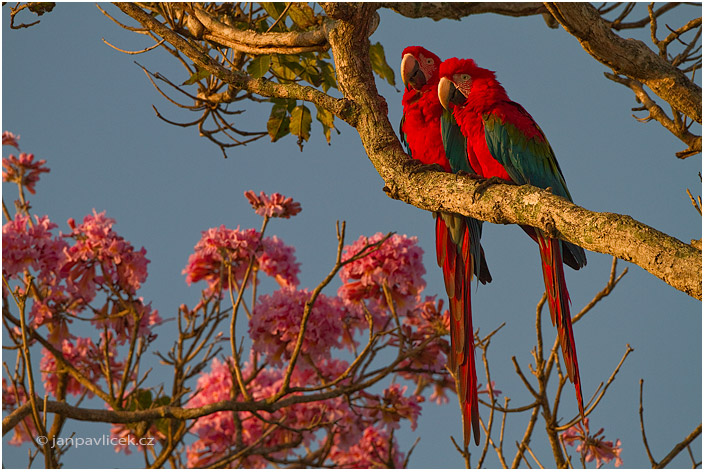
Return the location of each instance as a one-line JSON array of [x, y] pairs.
[[527, 160]]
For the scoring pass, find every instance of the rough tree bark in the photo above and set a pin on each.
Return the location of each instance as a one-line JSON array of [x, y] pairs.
[[676, 263]]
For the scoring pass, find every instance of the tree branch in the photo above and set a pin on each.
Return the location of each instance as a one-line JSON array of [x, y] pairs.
[[629, 57], [260, 43], [695, 143], [457, 10]]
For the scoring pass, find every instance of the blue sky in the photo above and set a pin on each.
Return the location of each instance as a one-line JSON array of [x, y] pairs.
[[86, 109]]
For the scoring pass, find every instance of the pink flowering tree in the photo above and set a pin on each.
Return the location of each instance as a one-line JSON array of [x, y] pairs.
[[287, 377], [306, 390]]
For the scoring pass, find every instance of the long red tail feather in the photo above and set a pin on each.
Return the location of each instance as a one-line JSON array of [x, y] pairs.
[[457, 264], [559, 306]]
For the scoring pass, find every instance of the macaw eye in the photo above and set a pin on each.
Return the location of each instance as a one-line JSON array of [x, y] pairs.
[[429, 61], [465, 77]]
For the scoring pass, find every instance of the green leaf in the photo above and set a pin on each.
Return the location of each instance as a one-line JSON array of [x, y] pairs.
[[39, 8], [328, 80], [278, 123], [200, 74], [302, 15], [259, 66], [300, 124], [285, 68], [326, 119], [274, 10], [379, 63], [162, 424]]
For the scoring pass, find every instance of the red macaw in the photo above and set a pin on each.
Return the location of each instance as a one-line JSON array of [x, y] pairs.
[[503, 140], [458, 247]]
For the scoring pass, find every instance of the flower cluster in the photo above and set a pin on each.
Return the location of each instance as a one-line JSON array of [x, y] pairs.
[[361, 425], [274, 205], [393, 406], [11, 399], [360, 435], [427, 321], [222, 250], [593, 447], [276, 323], [100, 258], [86, 357], [10, 139], [371, 452], [23, 170], [31, 246], [396, 262]]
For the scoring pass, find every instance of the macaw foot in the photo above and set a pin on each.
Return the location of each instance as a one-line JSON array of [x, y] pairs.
[[487, 183], [470, 174], [414, 166]]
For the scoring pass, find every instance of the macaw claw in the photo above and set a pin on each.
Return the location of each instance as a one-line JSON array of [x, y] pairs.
[[482, 186], [416, 167]]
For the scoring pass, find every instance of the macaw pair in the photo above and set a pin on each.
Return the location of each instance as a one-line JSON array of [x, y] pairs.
[[457, 117]]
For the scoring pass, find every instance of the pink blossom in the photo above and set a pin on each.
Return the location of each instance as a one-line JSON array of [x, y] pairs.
[[10, 139], [372, 451], [429, 317], [393, 406], [495, 391], [397, 263], [125, 438], [276, 322], [220, 246], [27, 246], [274, 205], [25, 430], [122, 321], [442, 384], [425, 328], [23, 170], [52, 310], [85, 356], [9, 398], [593, 447], [278, 261], [100, 257]]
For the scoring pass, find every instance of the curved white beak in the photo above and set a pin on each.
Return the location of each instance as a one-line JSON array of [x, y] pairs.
[[444, 91]]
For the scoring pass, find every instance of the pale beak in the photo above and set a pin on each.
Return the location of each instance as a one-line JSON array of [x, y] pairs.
[[411, 73], [448, 93]]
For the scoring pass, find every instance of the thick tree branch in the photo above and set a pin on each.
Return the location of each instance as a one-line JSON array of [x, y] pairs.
[[629, 57], [260, 43], [457, 10]]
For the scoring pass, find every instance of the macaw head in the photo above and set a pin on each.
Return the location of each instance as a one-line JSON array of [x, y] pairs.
[[419, 67], [458, 78]]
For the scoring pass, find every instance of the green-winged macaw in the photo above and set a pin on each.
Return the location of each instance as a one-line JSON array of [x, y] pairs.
[[502, 140]]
